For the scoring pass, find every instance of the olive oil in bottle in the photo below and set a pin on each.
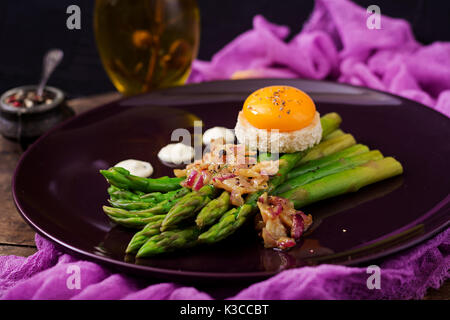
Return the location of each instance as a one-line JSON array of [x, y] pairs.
[[146, 44]]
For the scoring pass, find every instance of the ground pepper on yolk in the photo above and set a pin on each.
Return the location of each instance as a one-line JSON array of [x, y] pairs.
[[283, 108]]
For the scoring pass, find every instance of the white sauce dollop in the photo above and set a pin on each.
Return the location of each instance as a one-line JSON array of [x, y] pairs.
[[136, 167], [176, 153], [216, 133]]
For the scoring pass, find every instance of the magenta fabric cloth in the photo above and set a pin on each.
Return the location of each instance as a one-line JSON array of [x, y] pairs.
[[334, 44]]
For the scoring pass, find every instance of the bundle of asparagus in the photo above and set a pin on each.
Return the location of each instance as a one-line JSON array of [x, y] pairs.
[[171, 217]]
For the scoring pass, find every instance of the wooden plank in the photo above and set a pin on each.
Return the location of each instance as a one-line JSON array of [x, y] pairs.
[[81, 105], [22, 251], [13, 228], [443, 293]]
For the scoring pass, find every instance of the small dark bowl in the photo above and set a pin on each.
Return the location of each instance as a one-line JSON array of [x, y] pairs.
[[25, 125]]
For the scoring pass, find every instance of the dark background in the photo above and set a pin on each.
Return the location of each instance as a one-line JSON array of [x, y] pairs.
[[30, 27]]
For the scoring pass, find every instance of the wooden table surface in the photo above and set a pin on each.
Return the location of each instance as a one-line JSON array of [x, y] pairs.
[[17, 238]]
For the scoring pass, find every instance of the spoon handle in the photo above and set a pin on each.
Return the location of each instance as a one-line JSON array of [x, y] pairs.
[[51, 60]]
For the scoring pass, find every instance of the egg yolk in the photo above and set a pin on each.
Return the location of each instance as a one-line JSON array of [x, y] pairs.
[[279, 107]]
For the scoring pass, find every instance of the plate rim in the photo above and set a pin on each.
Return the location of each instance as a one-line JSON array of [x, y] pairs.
[[165, 273]]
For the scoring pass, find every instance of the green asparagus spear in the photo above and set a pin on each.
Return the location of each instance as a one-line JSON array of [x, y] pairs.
[[120, 194], [188, 206], [321, 162], [350, 180], [161, 204], [338, 166], [136, 222], [213, 210], [169, 241], [166, 205], [330, 122], [131, 205], [159, 208], [158, 196], [334, 134], [328, 147], [231, 221], [138, 218], [122, 179], [121, 213], [150, 230]]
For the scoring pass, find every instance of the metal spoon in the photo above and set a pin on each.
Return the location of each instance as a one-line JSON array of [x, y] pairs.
[[51, 60]]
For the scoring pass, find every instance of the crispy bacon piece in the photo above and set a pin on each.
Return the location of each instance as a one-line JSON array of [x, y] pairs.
[[179, 173], [224, 177], [236, 198], [281, 224], [199, 183], [191, 178], [284, 243], [298, 226], [233, 168]]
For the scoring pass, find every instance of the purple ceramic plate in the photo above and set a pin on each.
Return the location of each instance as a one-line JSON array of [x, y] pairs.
[[59, 192]]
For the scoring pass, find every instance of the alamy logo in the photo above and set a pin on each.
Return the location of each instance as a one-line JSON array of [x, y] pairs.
[[374, 19], [74, 20], [74, 280], [374, 280]]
